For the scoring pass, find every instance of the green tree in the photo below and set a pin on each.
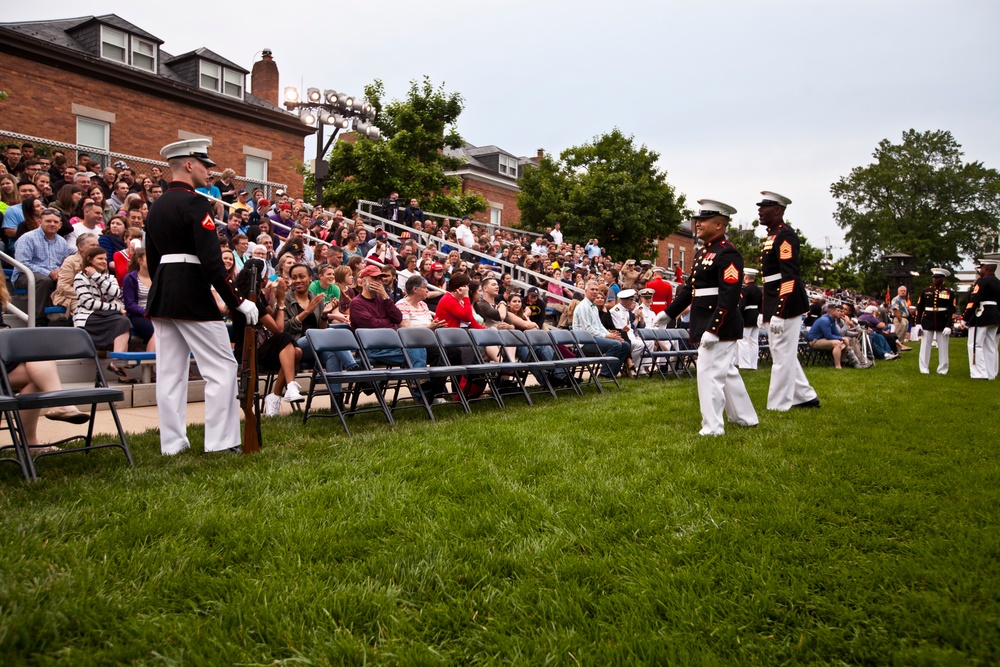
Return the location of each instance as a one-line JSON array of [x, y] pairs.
[[920, 198], [410, 157], [609, 189]]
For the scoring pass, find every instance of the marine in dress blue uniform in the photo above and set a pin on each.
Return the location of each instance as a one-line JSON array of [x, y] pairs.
[[983, 317], [936, 307], [713, 293], [751, 298], [785, 301], [185, 262]]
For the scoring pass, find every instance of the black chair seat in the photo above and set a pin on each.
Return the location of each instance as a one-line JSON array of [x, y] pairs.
[[55, 399]]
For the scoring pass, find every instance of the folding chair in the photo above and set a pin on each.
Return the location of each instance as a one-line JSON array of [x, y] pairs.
[[484, 338], [539, 339], [20, 448], [540, 368], [652, 352], [399, 372], [353, 382], [585, 343], [456, 342], [683, 353], [423, 337], [590, 365], [19, 346]]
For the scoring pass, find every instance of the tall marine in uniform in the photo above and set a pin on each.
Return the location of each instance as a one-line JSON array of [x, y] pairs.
[[785, 301], [936, 308], [713, 292], [182, 250], [982, 317]]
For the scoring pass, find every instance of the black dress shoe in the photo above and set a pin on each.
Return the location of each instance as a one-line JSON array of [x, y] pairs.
[[814, 403]]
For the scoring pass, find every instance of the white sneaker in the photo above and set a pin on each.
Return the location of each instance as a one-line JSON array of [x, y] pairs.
[[293, 392], [272, 405], [889, 356]]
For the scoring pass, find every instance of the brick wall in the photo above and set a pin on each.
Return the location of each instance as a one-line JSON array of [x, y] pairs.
[[511, 216], [678, 241], [41, 99]]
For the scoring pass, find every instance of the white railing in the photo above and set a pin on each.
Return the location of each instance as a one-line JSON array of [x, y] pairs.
[[27, 317]]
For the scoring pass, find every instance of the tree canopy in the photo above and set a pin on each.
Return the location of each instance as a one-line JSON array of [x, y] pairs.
[[410, 158], [918, 198], [608, 189]]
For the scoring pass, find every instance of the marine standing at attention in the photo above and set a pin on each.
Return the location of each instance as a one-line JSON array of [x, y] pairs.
[[185, 262]]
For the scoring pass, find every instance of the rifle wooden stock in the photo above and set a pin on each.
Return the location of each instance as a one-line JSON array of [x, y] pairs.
[[251, 418]]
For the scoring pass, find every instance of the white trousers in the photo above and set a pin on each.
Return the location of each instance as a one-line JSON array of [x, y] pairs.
[[926, 338], [789, 385], [983, 345], [748, 348], [209, 342], [720, 387]]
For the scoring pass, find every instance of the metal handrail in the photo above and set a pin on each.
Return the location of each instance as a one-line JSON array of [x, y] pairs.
[[489, 225], [268, 186], [28, 317], [518, 273]]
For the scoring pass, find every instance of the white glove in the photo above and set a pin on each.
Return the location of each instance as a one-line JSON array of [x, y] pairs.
[[777, 325], [760, 321], [249, 309], [708, 339], [946, 331]]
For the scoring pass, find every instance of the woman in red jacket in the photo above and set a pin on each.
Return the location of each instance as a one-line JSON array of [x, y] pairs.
[[455, 307]]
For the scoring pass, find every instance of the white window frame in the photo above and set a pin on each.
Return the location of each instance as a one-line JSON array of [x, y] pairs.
[[136, 44], [105, 30], [496, 215], [262, 163], [107, 133], [217, 76], [227, 75], [508, 166], [130, 48], [670, 257], [682, 258]]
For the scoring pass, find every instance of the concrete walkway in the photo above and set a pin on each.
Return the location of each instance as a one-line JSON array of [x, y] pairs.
[[134, 420]]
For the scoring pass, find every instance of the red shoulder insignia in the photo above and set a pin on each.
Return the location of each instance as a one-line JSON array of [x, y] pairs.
[[785, 250], [208, 223], [731, 274], [975, 290]]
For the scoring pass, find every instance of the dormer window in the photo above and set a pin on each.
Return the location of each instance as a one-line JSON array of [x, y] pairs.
[[508, 166], [127, 49], [219, 79]]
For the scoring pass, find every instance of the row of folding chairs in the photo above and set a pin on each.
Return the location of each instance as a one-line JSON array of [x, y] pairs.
[[20, 346], [667, 348], [478, 363]]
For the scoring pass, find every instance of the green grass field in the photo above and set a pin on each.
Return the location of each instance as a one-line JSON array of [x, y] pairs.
[[593, 531]]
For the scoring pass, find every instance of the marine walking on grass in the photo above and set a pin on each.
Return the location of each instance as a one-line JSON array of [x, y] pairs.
[[785, 301], [713, 293]]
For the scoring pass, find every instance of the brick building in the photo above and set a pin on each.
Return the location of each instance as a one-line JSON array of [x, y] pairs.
[[102, 82], [491, 172]]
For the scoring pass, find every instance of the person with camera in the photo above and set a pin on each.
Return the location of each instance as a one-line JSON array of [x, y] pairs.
[[712, 292], [382, 253]]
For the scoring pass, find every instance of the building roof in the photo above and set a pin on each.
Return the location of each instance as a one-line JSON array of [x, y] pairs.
[[207, 54], [58, 37]]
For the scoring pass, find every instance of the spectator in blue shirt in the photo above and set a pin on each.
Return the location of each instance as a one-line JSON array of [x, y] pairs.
[[824, 335], [42, 251]]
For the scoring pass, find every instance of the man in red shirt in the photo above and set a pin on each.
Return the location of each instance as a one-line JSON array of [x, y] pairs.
[[663, 292]]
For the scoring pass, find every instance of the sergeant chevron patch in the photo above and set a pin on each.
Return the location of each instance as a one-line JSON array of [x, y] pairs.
[[208, 223], [731, 274], [785, 251]]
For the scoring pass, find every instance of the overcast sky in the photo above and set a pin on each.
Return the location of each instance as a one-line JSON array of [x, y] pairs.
[[735, 96]]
